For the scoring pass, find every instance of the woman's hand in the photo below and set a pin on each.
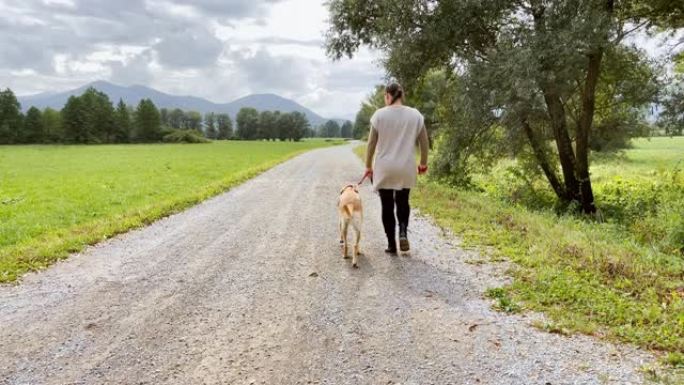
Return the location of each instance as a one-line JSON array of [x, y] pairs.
[[422, 169]]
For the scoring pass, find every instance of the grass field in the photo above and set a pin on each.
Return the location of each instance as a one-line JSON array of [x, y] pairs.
[[56, 199], [600, 278]]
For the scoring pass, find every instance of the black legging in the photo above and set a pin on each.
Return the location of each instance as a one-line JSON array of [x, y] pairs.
[[389, 198]]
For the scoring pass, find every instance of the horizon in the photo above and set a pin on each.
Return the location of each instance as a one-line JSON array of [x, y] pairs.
[[113, 99]]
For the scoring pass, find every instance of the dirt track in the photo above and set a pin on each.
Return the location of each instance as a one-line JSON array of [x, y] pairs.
[[250, 288]]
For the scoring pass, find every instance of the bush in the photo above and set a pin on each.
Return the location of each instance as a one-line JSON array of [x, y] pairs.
[[184, 136]]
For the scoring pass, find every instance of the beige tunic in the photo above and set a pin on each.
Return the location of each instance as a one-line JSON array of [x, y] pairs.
[[398, 128]]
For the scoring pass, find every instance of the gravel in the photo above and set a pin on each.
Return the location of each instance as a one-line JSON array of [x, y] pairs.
[[250, 288]]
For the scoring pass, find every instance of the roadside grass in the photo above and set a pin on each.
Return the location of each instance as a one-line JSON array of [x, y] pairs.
[[55, 200], [592, 277]]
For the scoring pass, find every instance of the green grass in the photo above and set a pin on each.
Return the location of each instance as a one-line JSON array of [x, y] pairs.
[[600, 278], [55, 200]]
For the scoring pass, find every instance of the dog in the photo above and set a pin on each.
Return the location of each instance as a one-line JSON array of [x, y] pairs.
[[350, 211]]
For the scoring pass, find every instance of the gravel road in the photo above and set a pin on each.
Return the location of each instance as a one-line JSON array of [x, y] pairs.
[[250, 288]]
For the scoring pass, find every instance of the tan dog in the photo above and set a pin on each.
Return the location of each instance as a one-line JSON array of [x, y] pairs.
[[350, 211]]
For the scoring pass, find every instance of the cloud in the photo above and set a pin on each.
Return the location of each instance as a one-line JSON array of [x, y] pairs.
[[275, 73], [217, 49], [189, 48]]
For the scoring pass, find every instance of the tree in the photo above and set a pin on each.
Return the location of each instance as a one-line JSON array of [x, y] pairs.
[[346, 131], [89, 118], [672, 117], [123, 124], [210, 122], [52, 126], [285, 125], [176, 118], [225, 126], [73, 120], [300, 126], [373, 101], [147, 122], [331, 129], [268, 125], [247, 123], [10, 117], [192, 121], [33, 130], [521, 60], [164, 116]]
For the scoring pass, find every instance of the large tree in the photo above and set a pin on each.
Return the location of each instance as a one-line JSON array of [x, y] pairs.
[[52, 124], [192, 120], [225, 126], [519, 62], [331, 129], [10, 117], [210, 126], [247, 123], [300, 126], [347, 129], [268, 125], [33, 130], [89, 118], [122, 119], [147, 122]]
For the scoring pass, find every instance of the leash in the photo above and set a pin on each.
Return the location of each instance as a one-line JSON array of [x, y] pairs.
[[366, 175]]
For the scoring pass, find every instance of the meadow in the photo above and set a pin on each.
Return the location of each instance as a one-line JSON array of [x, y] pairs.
[[54, 200], [620, 276]]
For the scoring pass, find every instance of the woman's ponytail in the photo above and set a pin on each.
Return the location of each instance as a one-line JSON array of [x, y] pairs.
[[395, 91]]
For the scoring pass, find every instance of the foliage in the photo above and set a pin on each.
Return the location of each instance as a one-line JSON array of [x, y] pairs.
[[122, 117], [210, 126], [147, 122], [10, 117], [247, 121], [54, 200], [672, 117], [373, 101], [536, 69], [33, 129], [331, 129], [225, 126], [52, 126], [183, 136], [346, 131]]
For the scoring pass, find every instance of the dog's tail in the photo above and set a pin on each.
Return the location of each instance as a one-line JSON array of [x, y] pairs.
[[349, 209]]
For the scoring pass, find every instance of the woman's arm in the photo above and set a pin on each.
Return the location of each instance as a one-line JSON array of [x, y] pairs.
[[424, 144], [370, 151]]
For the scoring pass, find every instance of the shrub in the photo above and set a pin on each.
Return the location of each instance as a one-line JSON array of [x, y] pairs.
[[184, 136]]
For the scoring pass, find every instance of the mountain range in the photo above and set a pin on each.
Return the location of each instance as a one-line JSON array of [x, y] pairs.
[[131, 95]]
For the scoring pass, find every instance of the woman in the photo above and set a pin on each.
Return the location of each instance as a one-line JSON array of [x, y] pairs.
[[394, 131]]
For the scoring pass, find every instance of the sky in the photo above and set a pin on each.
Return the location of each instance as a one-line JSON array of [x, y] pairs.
[[216, 49]]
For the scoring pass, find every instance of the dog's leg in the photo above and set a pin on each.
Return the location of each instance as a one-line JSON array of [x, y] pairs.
[[357, 240], [345, 228]]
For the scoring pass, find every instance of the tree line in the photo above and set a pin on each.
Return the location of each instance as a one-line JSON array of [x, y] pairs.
[[93, 118]]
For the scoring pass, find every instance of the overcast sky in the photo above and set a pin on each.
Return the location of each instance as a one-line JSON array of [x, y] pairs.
[[217, 49]]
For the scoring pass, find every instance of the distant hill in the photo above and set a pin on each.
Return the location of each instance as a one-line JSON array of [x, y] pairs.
[[133, 94]]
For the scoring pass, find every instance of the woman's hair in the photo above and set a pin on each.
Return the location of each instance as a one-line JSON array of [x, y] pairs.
[[395, 91]]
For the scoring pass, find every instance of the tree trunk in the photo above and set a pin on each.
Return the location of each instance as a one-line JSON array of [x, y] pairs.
[[540, 154], [558, 118], [583, 130], [566, 153], [586, 120]]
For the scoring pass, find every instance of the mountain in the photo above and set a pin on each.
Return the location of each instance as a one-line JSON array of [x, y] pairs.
[[133, 94]]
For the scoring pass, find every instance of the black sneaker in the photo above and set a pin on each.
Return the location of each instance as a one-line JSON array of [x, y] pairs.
[[391, 248], [403, 238]]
